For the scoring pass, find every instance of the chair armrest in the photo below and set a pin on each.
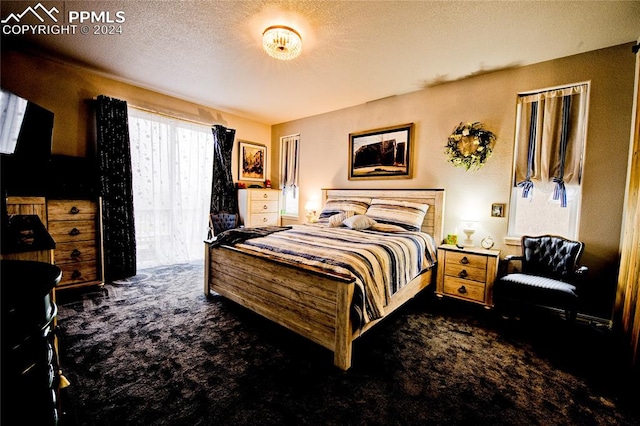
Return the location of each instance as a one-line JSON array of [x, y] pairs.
[[513, 257], [582, 271]]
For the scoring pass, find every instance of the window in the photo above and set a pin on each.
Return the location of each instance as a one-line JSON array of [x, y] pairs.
[[172, 167], [549, 153], [289, 160]]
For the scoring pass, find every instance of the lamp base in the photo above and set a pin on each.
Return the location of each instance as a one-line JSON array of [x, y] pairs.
[[468, 242]]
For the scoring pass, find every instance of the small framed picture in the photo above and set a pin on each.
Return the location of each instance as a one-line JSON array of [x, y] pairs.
[[252, 161], [497, 210]]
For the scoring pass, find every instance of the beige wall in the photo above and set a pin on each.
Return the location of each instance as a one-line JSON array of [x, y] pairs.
[[490, 99], [67, 91]]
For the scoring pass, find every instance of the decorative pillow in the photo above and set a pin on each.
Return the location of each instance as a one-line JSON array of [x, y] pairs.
[[337, 219], [387, 227], [336, 205], [406, 214], [359, 222]]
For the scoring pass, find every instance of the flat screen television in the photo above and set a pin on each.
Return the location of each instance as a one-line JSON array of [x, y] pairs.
[[26, 131]]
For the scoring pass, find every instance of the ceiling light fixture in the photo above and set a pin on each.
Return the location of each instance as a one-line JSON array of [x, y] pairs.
[[282, 42]]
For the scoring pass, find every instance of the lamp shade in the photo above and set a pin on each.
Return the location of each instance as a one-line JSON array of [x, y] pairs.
[[282, 42], [312, 205]]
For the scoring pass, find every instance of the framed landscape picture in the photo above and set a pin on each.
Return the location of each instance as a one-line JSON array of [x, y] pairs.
[[252, 161], [381, 153]]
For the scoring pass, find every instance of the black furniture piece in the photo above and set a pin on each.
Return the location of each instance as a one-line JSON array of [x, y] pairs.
[[550, 275], [29, 365], [221, 221]]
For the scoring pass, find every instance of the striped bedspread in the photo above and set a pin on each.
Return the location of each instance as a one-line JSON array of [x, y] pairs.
[[381, 263]]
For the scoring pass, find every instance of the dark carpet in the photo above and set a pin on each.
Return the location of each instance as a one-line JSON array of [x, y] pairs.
[[153, 350]]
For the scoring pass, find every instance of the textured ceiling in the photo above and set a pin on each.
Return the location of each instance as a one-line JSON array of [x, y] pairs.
[[353, 51]]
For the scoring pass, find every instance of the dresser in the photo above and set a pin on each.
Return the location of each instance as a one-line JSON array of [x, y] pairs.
[[75, 227], [259, 207], [467, 273]]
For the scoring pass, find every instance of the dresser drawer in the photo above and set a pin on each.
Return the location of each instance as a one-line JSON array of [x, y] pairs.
[[466, 289], [264, 219], [71, 230], [74, 273], [465, 272], [467, 259], [264, 207], [71, 210], [267, 195], [76, 251]]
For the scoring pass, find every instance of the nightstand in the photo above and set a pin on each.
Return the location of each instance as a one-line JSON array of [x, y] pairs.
[[467, 273]]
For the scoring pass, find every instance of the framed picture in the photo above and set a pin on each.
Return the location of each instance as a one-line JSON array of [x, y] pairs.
[[382, 153], [252, 162], [497, 210]]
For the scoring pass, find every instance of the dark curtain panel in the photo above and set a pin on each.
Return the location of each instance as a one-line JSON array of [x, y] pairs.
[[223, 193], [114, 168]]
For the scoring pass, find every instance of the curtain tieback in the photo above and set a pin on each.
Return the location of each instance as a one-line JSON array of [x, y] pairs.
[[526, 186], [560, 191]]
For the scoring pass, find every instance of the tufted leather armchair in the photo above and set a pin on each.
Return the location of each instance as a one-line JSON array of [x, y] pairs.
[[550, 275], [221, 221]]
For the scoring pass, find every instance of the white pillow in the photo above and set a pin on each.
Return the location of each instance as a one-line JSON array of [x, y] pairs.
[[359, 222]]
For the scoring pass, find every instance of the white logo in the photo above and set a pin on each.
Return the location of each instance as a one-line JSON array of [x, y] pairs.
[[34, 11], [84, 22]]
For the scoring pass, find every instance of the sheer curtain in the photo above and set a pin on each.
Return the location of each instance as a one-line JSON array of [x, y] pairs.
[[172, 164], [289, 149]]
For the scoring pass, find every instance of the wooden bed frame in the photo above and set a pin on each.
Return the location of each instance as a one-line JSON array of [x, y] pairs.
[[311, 302]]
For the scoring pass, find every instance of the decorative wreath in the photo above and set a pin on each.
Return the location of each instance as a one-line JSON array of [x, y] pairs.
[[470, 145]]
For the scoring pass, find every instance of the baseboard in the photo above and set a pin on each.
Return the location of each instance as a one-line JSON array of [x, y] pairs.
[[589, 319]]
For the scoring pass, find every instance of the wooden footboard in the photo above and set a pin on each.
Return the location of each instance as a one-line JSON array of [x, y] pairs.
[[313, 304]]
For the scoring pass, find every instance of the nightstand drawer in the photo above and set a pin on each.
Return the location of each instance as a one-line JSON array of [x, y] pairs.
[[467, 259], [264, 207], [266, 219], [465, 272], [466, 289]]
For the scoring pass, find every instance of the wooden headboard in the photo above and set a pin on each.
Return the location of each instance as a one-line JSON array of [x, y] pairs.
[[434, 220]]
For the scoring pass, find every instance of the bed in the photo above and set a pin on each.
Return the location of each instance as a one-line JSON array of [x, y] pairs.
[[319, 302]]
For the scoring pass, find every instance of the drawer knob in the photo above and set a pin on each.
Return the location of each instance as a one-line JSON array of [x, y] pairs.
[[75, 253], [464, 260], [462, 290], [265, 207], [74, 232], [76, 275], [463, 274], [74, 210], [264, 219], [265, 195]]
